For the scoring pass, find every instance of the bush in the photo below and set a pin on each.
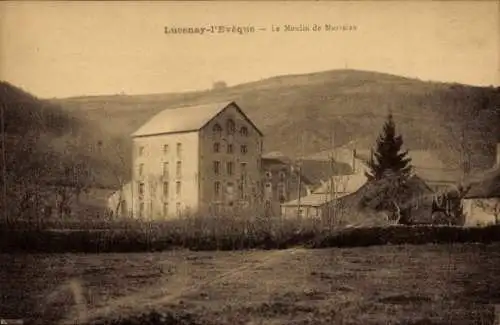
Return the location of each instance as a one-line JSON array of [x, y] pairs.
[[413, 235], [131, 235]]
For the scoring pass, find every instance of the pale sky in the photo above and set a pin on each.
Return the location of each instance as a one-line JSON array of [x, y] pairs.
[[61, 49]]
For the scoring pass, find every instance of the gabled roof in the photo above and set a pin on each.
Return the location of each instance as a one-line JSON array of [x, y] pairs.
[[343, 183], [185, 119], [415, 185]]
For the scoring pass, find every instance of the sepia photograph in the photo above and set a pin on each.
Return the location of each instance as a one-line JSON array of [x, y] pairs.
[[250, 163]]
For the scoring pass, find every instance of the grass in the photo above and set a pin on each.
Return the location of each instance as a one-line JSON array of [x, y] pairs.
[[426, 284]]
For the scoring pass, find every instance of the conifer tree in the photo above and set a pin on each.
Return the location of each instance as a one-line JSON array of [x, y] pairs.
[[388, 158]]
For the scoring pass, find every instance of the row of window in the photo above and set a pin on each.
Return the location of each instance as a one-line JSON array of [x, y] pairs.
[[166, 150], [141, 188], [166, 169], [229, 148], [282, 175], [217, 147], [229, 168], [216, 168], [230, 129], [281, 191], [165, 208], [165, 187]]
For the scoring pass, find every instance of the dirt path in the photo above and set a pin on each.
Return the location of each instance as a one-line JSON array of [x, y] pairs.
[[170, 292]]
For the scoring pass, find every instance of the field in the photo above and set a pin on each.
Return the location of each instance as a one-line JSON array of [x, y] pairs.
[[426, 284]]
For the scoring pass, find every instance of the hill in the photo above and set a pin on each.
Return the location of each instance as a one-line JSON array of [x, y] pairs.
[[332, 107], [49, 153]]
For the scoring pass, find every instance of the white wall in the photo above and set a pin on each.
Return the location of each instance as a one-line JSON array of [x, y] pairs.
[[153, 159], [481, 211]]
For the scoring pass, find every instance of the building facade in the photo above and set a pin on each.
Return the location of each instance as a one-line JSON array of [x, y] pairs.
[[482, 202], [281, 183], [195, 159]]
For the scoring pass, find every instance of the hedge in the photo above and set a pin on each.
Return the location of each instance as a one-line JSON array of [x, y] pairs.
[[159, 239]]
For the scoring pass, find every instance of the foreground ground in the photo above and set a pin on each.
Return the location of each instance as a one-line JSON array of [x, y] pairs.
[[429, 284]]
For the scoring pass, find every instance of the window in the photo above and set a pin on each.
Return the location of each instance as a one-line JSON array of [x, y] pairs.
[[217, 130], [178, 188], [141, 169], [229, 148], [230, 127], [244, 131], [165, 170], [216, 167], [229, 166], [141, 189], [244, 149], [165, 149], [178, 208], [178, 169], [141, 209], [269, 190], [269, 175], [216, 147], [241, 190], [141, 150], [243, 166], [281, 192], [217, 189], [165, 189], [179, 149], [165, 209], [230, 191], [282, 175]]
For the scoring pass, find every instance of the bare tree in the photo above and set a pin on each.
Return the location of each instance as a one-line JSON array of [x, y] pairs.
[[119, 177]]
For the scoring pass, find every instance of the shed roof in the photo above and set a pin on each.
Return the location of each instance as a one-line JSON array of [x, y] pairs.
[[312, 200], [185, 119]]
